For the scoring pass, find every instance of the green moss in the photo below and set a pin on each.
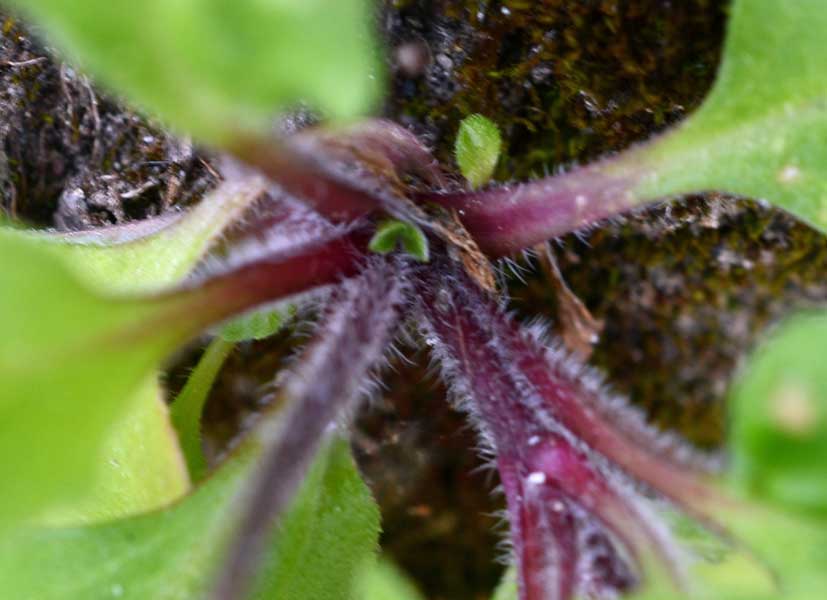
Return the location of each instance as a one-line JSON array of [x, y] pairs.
[[565, 81]]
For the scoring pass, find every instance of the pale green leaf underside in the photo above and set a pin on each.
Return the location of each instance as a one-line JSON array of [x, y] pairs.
[[84, 430], [329, 532], [164, 256], [214, 68], [383, 580]]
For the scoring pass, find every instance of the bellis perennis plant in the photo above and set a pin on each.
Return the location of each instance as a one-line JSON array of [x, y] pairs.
[[360, 222]]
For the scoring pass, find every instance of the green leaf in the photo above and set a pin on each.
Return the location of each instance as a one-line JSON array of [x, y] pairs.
[[188, 406], [778, 447], [507, 589], [333, 529], [328, 534], [85, 433], [761, 132], [786, 559], [218, 69], [140, 468], [779, 419], [477, 149], [391, 233], [70, 361], [383, 580]]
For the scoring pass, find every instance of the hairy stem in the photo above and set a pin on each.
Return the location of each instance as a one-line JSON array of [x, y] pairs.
[[266, 278], [577, 522], [345, 174], [509, 218], [323, 388]]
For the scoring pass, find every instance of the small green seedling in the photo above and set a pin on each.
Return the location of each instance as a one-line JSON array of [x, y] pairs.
[[477, 149], [392, 233]]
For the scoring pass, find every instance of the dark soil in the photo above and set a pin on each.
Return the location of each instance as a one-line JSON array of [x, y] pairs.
[[684, 289], [72, 158]]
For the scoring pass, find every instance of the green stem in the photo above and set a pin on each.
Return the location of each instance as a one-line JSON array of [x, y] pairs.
[[187, 408]]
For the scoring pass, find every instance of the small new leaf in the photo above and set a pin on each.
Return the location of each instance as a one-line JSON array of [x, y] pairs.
[[477, 149], [392, 233]]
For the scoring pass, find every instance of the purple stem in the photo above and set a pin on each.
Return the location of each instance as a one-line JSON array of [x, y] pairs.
[[535, 410], [504, 219], [348, 173], [269, 276], [576, 399], [545, 541], [323, 388]]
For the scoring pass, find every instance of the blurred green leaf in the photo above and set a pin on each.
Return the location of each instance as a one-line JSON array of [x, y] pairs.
[[779, 418], [187, 408], [507, 589], [328, 534], [85, 432], [140, 468], [477, 149], [332, 531], [383, 580], [778, 447], [70, 362], [779, 457], [217, 68], [761, 131]]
